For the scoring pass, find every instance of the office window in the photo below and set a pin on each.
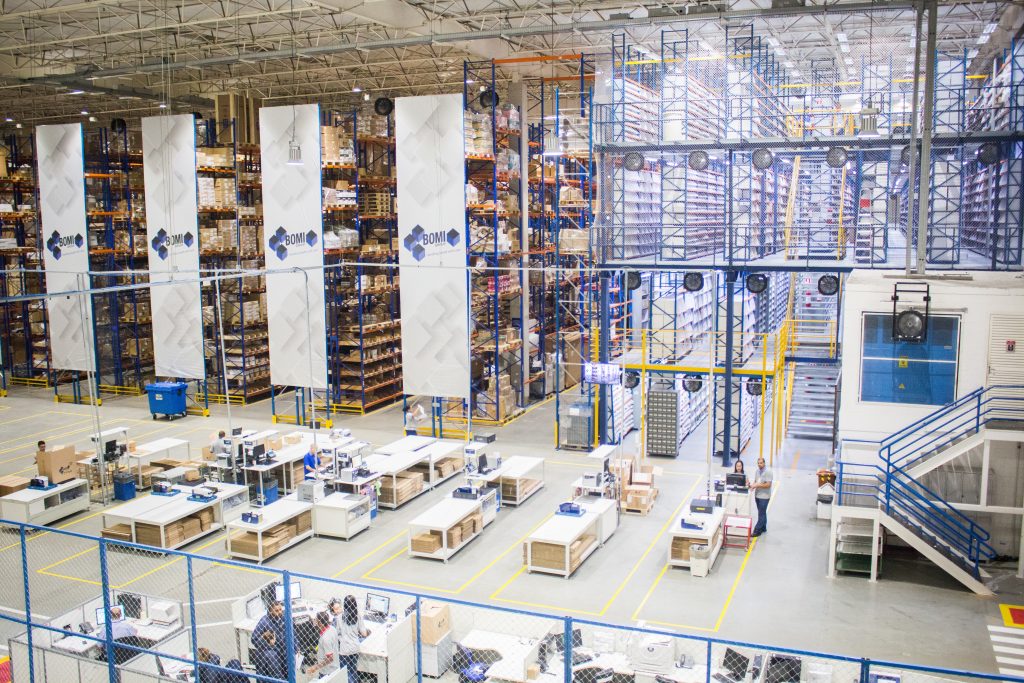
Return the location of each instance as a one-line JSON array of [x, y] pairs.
[[902, 372]]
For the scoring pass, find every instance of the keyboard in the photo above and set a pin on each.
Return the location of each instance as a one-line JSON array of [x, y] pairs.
[[580, 658], [722, 678]]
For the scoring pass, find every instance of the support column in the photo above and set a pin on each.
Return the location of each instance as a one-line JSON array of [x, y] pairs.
[[605, 318], [924, 195], [730, 290]]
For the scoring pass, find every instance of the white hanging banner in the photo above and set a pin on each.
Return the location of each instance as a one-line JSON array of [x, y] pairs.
[[66, 257], [172, 236], [293, 245], [432, 245]]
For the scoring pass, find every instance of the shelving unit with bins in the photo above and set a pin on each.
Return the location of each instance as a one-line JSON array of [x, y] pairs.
[[115, 200], [360, 227], [25, 344], [230, 239]]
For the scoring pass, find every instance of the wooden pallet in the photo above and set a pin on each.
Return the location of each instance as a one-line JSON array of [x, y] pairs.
[[638, 509]]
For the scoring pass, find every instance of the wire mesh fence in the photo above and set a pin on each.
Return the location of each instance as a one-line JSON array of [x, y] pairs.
[[81, 608]]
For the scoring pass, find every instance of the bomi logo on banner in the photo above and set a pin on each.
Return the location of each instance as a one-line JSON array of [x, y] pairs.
[[59, 245], [163, 242], [282, 239], [419, 240]]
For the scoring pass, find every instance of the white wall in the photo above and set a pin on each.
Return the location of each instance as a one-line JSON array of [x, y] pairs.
[[974, 299]]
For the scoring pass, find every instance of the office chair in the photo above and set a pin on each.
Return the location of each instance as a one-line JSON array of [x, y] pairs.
[[470, 671], [123, 654]]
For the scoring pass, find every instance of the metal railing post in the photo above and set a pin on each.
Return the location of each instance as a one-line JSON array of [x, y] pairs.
[[419, 643], [289, 630], [977, 414], [888, 478], [567, 658], [28, 604], [865, 670], [108, 626], [192, 613], [707, 670]]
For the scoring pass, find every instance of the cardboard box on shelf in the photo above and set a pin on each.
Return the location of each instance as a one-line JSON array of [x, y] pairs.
[[118, 532], [436, 620], [426, 543]]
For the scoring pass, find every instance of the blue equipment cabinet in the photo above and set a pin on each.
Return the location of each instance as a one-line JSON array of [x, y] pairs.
[[167, 398]]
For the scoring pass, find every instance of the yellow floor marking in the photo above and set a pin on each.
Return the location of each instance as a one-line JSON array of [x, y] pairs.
[[622, 584], [1009, 612], [77, 579], [728, 598], [30, 441], [468, 582], [368, 555], [796, 459], [67, 559]]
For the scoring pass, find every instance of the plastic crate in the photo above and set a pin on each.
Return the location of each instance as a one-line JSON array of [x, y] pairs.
[[167, 398]]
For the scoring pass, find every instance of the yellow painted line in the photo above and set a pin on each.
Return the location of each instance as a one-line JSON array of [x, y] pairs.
[[368, 555], [254, 570], [29, 441], [796, 459], [72, 578], [67, 559], [381, 564], [1011, 614], [650, 546], [468, 582], [728, 598], [618, 591], [217, 539]]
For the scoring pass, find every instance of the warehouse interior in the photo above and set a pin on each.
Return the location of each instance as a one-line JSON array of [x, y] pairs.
[[486, 341]]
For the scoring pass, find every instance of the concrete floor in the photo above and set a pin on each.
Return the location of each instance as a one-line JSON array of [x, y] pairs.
[[776, 594]]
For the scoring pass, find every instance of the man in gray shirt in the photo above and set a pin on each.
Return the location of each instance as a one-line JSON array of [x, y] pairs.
[[762, 485]]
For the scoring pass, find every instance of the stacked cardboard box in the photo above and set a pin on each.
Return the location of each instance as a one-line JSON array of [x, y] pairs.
[[11, 484], [215, 157], [375, 203], [336, 145], [373, 126], [395, 491], [429, 542], [681, 546], [118, 532], [552, 555], [479, 141]]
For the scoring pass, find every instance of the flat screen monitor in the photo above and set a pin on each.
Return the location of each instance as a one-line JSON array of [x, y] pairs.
[[254, 608], [237, 431], [735, 664], [110, 447], [296, 591], [736, 479], [258, 450], [482, 463], [379, 604], [783, 669], [101, 616]]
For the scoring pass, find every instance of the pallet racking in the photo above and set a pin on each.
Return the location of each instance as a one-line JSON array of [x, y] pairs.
[[25, 347], [230, 235], [363, 320]]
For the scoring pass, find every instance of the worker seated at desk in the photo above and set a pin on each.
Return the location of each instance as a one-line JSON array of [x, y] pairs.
[[119, 626]]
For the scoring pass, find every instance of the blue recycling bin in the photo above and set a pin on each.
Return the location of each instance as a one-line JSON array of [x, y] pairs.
[[124, 486], [167, 398]]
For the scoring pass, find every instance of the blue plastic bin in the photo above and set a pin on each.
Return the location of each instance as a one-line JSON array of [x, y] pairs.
[[167, 398], [124, 486]]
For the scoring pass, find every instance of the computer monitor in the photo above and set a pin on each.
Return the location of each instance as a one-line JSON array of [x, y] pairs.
[[101, 616], [378, 604], [783, 669], [577, 640], [736, 479], [254, 608], [258, 450], [481, 463], [296, 591], [237, 431], [735, 664]]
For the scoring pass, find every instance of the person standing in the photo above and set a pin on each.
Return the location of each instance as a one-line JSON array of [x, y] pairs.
[[351, 631], [737, 467], [220, 444], [326, 648], [311, 462], [762, 485], [273, 620], [267, 658]]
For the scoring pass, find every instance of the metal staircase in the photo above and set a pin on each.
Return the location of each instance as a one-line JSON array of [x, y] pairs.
[[813, 337], [890, 489]]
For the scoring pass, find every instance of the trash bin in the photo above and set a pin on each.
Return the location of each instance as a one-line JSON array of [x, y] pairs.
[[167, 398], [700, 559], [124, 486]]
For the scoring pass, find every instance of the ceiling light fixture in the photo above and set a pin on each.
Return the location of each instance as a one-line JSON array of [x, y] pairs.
[[356, 88], [294, 149], [85, 113], [841, 37], [366, 97]]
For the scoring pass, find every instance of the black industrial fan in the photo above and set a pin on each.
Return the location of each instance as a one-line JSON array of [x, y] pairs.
[[383, 106]]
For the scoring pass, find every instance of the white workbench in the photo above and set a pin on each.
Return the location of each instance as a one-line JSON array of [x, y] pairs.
[[597, 521], [738, 502], [390, 466], [272, 515], [153, 450], [162, 511], [406, 443], [439, 450], [43, 506], [521, 476], [447, 514], [517, 653], [284, 459], [339, 515], [710, 534]]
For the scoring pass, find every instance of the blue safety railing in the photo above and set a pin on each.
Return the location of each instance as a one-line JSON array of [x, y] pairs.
[[702, 651], [890, 483]]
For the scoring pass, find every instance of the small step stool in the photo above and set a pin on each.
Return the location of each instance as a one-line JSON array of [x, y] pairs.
[[737, 530]]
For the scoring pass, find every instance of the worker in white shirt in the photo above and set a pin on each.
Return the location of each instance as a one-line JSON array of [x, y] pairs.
[[326, 648], [220, 444], [119, 627]]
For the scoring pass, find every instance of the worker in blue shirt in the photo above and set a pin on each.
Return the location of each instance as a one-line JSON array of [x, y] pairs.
[[311, 462]]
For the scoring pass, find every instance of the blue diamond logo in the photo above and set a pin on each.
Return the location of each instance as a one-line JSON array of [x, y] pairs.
[[282, 252], [56, 253], [162, 252], [189, 238], [409, 241], [453, 236], [311, 238], [79, 241], [417, 232], [418, 252], [273, 242]]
